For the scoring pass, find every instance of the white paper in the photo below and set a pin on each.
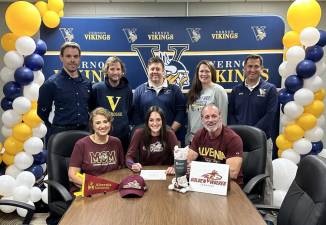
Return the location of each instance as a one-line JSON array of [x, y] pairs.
[[153, 174]]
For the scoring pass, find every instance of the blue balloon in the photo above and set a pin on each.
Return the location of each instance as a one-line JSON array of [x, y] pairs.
[[317, 147], [34, 62], [41, 157], [314, 53], [322, 39], [306, 68], [293, 83], [285, 96], [24, 76], [12, 90], [37, 170], [6, 104], [41, 47]]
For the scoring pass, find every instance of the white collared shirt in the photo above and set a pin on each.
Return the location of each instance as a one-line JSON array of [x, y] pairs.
[[158, 88], [253, 86]]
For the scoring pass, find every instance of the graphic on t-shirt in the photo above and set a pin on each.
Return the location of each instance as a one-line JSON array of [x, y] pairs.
[[199, 104], [113, 103], [156, 147], [103, 158], [211, 154]]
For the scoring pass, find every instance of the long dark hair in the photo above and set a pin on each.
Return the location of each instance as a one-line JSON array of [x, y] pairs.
[[147, 130], [196, 85]]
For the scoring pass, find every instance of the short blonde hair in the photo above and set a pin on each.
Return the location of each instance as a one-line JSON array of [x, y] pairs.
[[99, 111]]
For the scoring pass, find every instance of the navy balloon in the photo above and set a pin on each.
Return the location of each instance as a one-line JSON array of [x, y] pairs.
[[24, 76], [317, 147], [285, 96], [314, 53], [12, 90], [293, 83], [34, 62], [37, 170], [41, 157], [306, 68], [322, 39], [6, 104], [41, 47]]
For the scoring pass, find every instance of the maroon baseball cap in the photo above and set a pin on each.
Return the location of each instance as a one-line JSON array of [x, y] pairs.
[[132, 186]]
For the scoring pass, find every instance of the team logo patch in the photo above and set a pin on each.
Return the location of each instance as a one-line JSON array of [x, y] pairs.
[[67, 34], [194, 34], [259, 32], [130, 34]]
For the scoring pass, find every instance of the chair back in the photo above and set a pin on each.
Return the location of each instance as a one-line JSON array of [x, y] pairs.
[[305, 201]]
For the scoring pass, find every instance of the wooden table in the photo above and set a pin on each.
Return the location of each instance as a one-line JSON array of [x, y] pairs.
[[160, 206]]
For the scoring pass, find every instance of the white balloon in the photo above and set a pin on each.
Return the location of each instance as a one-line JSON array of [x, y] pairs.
[[295, 54], [302, 146], [33, 145], [315, 134], [322, 153], [321, 121], [46, 178], [38, 77], [313, 83], [285, 120], [25, 178], [284, 171], [6, 131], [278, 197], [23, 160], [25, 45], [45, 196], [31, 91], [43, 166], [21, 105], [10, 118], [21, 193], [291, 69], [23, 212], [293, 110], [35, 194], [7, 208], [7, 185], [40, 131], [7, 74], [291, 155], [13, 60], [303, 96], [309, 36], [282, 70], [13, 171], [320, 67]]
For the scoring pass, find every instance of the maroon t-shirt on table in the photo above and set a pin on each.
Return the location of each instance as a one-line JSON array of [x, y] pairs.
[[156, 154], [96, 159], [227, 145]]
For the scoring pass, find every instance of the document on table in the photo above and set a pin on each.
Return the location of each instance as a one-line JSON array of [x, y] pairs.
[[153, 174]]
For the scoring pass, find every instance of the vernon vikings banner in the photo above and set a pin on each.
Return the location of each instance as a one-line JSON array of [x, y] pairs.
[[180, 41]]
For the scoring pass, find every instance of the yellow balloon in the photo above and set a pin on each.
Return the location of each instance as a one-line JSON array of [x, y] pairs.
[[316, 108], [55, 5], [23, 18], [291, 38], [61, 13], [8, 41], [13, 146], [34, 104], [0, 159], [42, 7], [8, 159], [284, 54], [303, 13], [283, 143], [307, 121], [22, 132], [31, 118], [51, 19], [320, 95], [293, 132]]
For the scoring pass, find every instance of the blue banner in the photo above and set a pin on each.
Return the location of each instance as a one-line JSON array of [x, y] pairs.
[[180, 41]]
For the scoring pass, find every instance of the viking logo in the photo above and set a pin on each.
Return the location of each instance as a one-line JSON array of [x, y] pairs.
[[130, 34], [259, 32], [176, 72], [67, 34], [194, 34]]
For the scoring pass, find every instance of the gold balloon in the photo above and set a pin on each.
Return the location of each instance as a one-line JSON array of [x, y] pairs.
[[22, 132], [293, 132], [34, 104], [303, 13], [13, 146], [31, 118], [55, 5], [307, 121], [23, 18], [51, 19], [61, 13], [291, 38], [316, 108], [42, 7], [282, 143], [8, 41], [320, 95], [8, 159]]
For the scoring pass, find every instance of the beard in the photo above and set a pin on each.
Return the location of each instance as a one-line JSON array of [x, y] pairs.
[[211, 127]]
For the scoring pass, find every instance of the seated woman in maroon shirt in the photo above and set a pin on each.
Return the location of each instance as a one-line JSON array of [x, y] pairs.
[[97, 153], [153, 144]]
